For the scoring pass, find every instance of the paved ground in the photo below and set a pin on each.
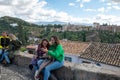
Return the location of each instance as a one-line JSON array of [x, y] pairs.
[[14, 72]]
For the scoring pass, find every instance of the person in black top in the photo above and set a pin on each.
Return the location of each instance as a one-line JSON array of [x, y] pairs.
[[4, 45]]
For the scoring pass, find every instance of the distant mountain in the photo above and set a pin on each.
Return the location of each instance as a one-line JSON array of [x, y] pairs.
[[46, 23], [62, 23], [84, 24]]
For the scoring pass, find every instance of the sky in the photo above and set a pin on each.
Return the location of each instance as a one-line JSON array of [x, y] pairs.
[[71, 11]]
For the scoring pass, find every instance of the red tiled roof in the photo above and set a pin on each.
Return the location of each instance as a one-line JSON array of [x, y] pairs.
[[74, 47], [104, 53]]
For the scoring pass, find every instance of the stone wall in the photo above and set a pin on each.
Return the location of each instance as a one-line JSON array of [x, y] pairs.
[[74, 71], [22, 59], [70, 73]]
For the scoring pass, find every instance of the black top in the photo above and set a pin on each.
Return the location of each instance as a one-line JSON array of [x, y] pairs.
[[5, 42]]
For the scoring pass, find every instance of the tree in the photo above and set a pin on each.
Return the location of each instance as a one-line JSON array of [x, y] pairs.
[[22, 34], [83, 36]]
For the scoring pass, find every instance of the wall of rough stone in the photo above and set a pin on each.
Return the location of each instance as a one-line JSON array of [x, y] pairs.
[[68, 73], [23, 59], [73, 71]]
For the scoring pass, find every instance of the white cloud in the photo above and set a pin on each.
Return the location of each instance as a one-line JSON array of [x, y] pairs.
[[36, 11], [112, 6], [102, 10], [101, 18], [31, 10], [90, 10], [77, 1], [108, 4], [116, 1], [109, 8], [86, 1], [81, 2], [116, 7], [99, 10], [81, 5], [102, 0], [71, 4]]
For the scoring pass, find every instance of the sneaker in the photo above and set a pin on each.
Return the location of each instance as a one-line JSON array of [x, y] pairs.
[[30, 66], [36, 75], [6, 65]]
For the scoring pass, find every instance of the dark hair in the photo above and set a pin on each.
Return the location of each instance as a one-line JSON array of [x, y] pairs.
[[41, 44], [57, 41], [39, 51]]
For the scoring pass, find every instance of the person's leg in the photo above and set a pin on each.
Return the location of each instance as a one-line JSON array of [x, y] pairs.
[[32, 63], [0, 51], [5, 55], [39, 62], [1, 55], [33, 60], [43, 65], [35, 67], [52, 66]]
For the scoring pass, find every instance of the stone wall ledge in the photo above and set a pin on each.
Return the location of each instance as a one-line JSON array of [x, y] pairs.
[[72, 71]]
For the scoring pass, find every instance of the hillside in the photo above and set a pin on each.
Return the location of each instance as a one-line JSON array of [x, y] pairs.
[[22, 29], [6, 21], [11, 20]]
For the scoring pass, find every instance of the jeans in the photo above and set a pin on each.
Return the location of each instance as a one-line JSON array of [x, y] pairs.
[[4, 55], [40, 62], [34, 63], [1, 56], [53, 66]]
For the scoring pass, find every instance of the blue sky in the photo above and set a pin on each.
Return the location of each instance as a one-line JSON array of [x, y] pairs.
[[73, 7], [73, 11], [107, 10]]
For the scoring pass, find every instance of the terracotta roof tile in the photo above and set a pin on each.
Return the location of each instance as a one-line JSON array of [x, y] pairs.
[[104, 53], [74, 47]]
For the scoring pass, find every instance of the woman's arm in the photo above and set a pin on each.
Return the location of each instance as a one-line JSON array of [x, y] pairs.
[[57, 52]]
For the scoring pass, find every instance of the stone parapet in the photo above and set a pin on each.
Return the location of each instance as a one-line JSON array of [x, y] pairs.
[[23, 59], [72, 71]]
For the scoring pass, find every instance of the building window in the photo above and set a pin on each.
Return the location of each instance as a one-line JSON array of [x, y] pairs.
[[98, 64], [68, 59], [86, 62]]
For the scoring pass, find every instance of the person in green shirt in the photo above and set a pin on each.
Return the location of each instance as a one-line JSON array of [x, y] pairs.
[[57, 52]]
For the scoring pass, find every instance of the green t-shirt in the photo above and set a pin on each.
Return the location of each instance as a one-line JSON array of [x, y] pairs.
[[56, 52]]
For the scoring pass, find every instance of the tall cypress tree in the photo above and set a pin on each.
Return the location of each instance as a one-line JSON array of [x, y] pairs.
[[21, 34]]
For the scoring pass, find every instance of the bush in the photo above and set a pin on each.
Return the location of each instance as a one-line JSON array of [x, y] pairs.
[[22, 49]]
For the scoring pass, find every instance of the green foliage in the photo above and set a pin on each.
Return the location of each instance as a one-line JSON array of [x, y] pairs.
[[22, 49], [70, 35], [21, 31], [109, 36], [6, 21], [23, 34], [24, 30]]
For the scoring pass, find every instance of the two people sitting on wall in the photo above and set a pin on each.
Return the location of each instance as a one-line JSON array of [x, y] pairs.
[[52, 57], [7, 44]]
